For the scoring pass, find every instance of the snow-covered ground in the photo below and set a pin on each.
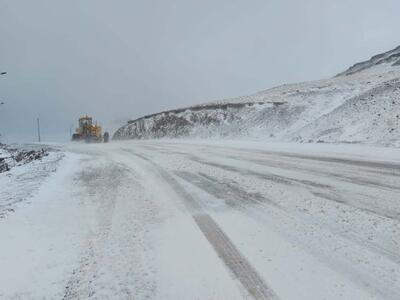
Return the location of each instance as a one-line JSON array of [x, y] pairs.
[[28, 168], [206, 220]]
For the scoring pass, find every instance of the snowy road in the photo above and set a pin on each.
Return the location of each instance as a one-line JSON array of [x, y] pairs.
[[209, 220]]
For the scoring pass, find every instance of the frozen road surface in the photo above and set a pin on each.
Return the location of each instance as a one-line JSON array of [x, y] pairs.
[[205, 220]]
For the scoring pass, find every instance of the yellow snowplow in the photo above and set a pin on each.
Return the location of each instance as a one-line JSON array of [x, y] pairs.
[[89, 132]]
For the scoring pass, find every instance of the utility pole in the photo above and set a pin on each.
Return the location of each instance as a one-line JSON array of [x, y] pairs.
[[38, 129], [2, 73], [2, 102]]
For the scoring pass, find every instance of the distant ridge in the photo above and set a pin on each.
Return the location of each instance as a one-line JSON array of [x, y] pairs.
[[391, 57]]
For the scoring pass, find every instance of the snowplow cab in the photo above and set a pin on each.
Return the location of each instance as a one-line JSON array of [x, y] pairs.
[[87, 131]]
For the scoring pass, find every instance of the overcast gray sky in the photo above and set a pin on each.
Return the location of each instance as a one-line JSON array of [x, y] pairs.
[[121, 59]]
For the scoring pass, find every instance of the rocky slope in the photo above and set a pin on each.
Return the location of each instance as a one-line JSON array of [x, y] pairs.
[[11, 156], [360, 105]]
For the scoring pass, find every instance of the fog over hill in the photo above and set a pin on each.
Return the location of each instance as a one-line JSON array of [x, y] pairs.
[[360, 105]]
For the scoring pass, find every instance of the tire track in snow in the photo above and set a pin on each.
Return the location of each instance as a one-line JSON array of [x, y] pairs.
[[311, 186], [113, 262], [220, 190], [226, 250]]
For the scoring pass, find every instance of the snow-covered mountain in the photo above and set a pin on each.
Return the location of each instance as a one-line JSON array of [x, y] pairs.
[[360, 105]]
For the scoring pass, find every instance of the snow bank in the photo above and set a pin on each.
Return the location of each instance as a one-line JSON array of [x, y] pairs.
[[23, 169], [11, 156]]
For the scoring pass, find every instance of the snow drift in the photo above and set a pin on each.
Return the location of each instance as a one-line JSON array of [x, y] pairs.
[[360, 105]]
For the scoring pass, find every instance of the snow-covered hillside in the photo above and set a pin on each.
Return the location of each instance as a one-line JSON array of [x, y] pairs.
[[360, 105]]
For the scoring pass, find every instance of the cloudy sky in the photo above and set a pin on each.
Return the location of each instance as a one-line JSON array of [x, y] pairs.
[[121, 59]]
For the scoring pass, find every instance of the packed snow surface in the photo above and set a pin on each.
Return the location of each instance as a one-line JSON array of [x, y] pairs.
[[204, 220], [361, 105]]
